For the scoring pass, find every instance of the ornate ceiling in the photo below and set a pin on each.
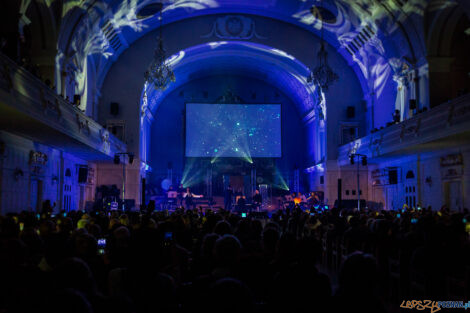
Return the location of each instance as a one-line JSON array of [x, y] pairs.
[[376, 37]]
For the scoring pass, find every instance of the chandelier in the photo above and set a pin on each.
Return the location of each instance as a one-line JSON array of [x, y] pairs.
[[159, 73], [322, 74]]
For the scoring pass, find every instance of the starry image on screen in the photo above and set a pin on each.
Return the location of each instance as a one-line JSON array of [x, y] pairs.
[[233, 130]]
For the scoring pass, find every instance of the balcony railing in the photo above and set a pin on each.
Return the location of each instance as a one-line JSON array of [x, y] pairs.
[[24, 95], [422, 132]]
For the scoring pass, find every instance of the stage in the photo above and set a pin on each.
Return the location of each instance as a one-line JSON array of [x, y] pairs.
[[161, 203]]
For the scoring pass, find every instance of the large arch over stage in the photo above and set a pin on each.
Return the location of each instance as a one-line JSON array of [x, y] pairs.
[[245, 59], [271, 75]]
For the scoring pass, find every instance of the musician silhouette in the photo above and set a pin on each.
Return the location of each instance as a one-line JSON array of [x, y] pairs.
[[189, 199]]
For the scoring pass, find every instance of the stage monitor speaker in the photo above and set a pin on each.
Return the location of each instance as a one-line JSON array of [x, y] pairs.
[[340, 192], [114, 108], [393, 176], [129, 204], [82, 175], [350, 112], [412, 104]]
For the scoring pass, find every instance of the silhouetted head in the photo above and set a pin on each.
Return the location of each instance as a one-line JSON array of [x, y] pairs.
[[222, 228], [230, 295], [68, 300], [208, 244], [358, 274], [75, 274], [227, 250]]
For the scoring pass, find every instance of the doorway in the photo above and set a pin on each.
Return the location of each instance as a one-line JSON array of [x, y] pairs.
[[453, 194], [394, 201], [35, 195]]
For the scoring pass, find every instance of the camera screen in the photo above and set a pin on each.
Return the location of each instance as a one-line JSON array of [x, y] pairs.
[[101, 242]]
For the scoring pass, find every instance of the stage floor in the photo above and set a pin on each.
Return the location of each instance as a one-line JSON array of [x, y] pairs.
[[274, 204]]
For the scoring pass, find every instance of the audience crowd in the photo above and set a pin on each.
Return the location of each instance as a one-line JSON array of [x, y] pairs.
[[217, 261]]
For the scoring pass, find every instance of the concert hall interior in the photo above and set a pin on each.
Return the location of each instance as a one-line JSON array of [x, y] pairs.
[[243, 141]]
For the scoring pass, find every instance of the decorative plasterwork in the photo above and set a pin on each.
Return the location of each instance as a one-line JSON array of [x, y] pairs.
[[49, 106], [104, 135], [452, 113], [375, 144], [233, 27], [83, 126], [6, 73], [410, 129]]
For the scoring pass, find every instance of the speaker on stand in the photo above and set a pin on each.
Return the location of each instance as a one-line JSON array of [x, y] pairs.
[[393, 176], [82, 174], [114, 108], [143, 203], [340, 193], [350, 112]]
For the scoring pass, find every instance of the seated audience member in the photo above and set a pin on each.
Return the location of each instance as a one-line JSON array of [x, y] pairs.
[[231, 296], [358, 285]]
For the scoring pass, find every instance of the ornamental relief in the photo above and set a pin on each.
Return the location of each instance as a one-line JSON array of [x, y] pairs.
[[233, 27]]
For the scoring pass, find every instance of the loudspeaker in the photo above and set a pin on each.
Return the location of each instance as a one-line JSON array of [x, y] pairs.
[[114, 108], [350, 112], [412, 104], [322, 180], [76, 99], [340, 192], [393, 176], [129, 204], [117, 159], [364, 160], [82, 175], [143, 204]]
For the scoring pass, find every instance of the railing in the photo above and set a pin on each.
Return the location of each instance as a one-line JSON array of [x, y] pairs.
[[27, 94], [446, 120]]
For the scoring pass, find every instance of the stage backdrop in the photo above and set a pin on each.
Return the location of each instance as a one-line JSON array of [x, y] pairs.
[[233, 130]]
